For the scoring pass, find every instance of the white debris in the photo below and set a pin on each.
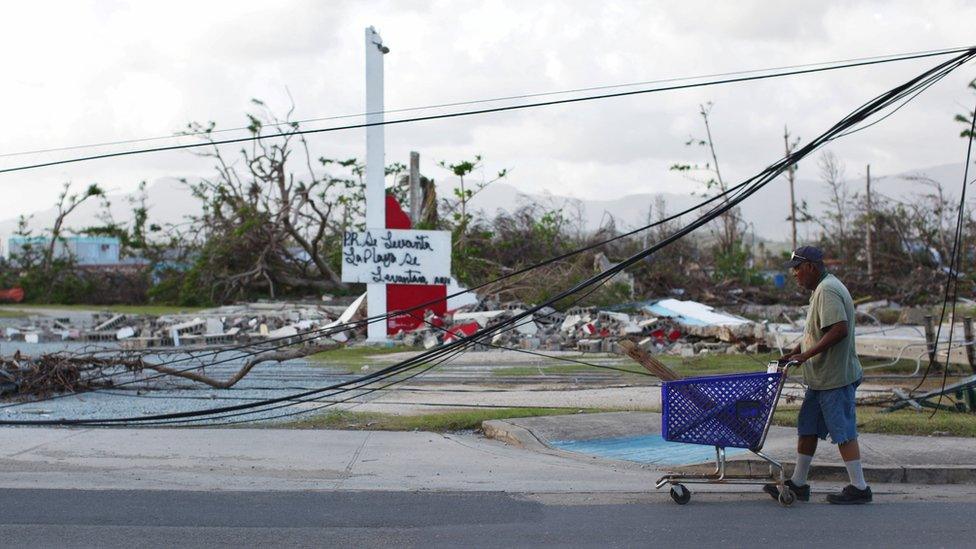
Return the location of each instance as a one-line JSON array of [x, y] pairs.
[[693, 313]]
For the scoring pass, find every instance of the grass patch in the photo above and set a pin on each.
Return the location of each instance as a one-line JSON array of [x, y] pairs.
[[351, 359], [705, 364], [155, 310], [561, 369], [12, 313], [902, 422], [440, 422], [698, 365], [359, 353]]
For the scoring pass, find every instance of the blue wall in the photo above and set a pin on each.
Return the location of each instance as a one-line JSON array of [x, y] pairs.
[[86, 250]]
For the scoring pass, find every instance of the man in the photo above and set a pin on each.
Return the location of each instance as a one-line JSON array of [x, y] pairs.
[[832, 372]]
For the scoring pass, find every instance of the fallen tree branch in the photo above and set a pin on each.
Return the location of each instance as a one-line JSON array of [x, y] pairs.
[[270, 356]]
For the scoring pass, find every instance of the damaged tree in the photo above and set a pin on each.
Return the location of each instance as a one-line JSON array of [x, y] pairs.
[[57, 373], [273, 220]]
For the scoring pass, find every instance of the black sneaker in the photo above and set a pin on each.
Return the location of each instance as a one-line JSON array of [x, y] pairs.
[[851, 495], [802, 493]]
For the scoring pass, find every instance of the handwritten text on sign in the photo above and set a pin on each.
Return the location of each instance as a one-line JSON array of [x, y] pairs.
[[395, 256]]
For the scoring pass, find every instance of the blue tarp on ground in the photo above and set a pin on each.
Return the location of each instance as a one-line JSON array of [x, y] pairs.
[[643, 449]]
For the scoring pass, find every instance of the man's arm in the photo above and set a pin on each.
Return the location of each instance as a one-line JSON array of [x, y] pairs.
[[836, 332]]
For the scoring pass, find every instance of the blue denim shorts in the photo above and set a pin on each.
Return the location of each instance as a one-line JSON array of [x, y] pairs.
[[829, 412]]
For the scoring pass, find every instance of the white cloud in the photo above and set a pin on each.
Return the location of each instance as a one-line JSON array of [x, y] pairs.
[[85, 72]]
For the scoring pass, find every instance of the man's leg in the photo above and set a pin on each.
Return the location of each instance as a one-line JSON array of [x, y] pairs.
[[840, 411], [851, 454], [809, 424], [806, 446]]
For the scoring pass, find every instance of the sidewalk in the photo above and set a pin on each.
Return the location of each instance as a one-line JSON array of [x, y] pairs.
[[886, 458], [294, 460]]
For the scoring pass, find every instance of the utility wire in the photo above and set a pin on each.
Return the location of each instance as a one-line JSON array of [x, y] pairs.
[[888, 57], [940, 52], [286, 341], [255, 138], [754, 184], [953, 279]]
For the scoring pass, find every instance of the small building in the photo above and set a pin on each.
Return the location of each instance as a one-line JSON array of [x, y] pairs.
[[87, 251]]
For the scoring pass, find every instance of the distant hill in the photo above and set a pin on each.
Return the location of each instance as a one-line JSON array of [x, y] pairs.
[[170, 202], [767, 210]]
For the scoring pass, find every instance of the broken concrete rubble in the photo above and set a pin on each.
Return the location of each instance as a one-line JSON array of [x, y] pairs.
[[223, 325], [680, 327], [666, 325]]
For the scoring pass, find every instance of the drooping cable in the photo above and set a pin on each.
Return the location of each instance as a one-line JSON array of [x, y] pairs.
[[886, 58], [255, 138], [754, 184], [952, 281]]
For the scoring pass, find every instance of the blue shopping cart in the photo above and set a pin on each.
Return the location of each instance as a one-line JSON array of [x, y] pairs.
[[726, 411]]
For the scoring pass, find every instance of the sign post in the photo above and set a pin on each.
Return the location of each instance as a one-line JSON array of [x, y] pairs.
[[375, 173], [402, 268]]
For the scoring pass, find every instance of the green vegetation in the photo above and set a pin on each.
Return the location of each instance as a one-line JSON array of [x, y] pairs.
[[439, 422], [902, 422], [11, 313]]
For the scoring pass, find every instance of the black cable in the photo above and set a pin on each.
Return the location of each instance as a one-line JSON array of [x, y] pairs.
[[287, 341], [512, 274], [952, 280], [755, 183], [459, 114], [889, 58]]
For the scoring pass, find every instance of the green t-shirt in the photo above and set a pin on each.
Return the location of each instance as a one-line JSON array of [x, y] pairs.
[[837, 366]]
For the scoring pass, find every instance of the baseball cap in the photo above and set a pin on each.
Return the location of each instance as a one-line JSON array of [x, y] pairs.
[[812, 254]]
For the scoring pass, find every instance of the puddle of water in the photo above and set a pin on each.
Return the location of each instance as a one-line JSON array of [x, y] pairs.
[[644, 449]]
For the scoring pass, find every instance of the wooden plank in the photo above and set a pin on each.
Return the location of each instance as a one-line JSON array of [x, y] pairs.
[[649, 363]]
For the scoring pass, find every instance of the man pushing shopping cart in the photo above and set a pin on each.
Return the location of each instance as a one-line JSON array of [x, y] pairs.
[[831, 372], [735, 411]]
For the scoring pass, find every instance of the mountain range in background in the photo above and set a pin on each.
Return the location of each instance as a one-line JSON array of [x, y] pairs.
[[765, 212]]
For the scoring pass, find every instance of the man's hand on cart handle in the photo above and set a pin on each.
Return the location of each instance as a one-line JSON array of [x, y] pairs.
[[792, 359]]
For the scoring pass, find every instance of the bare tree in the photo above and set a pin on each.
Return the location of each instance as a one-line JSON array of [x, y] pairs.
[[839, 202], [275, 216], [730, 231]]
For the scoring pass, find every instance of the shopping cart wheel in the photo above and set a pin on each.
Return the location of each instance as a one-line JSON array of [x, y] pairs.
[[680, 494], [786, 498]]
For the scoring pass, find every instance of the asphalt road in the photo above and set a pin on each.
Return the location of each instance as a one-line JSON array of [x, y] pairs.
[[145, 518]]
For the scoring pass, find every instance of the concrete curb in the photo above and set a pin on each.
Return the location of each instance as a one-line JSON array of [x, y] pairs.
[[513, 434], [517, 435]]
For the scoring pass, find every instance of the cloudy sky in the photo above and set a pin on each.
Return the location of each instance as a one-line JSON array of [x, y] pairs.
[[79, 72]]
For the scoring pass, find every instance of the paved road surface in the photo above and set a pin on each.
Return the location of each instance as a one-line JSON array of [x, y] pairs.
[[80, 518]]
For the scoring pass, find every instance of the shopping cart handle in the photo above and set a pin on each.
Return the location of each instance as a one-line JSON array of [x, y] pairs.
[[774, 366]]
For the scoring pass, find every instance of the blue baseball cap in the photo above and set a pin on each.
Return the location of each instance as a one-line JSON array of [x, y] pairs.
[[811, 254]]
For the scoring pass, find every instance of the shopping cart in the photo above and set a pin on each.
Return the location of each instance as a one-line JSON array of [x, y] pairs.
[[725, 411]]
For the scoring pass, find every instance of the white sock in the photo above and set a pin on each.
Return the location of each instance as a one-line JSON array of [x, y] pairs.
[[856, 473], [802, 469]]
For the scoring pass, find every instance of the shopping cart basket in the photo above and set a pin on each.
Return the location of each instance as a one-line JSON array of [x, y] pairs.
[[726, 411]]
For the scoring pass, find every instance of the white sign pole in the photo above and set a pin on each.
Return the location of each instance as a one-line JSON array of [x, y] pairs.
[[375, 172]]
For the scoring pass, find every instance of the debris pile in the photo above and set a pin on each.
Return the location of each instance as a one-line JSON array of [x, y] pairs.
[[245, 323], [668, 325], [53, 373]]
